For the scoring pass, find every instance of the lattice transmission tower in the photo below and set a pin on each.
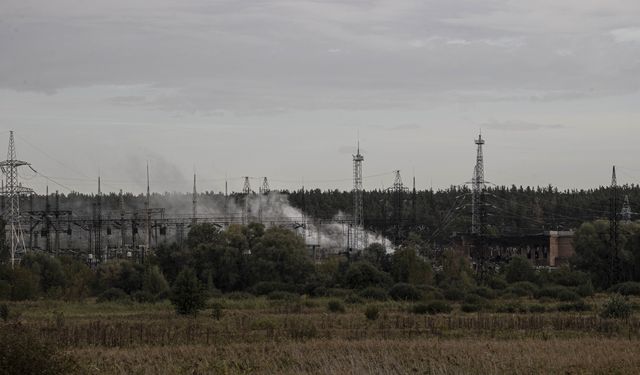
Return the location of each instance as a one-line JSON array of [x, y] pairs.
[[12, 191], [479, 212], [614, 219], [246, 191], [358, 238], [626, 213]]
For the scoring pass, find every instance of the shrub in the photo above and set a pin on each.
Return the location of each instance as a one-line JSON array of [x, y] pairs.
[[216, 310], [405, 292], [22, 352], [238, 296], [617, 307], [113, 294], [497, 283], [142, 296], [372, 312], [283, 296], [263, 323], [470, 307], [510, 308], [474, 299], [4, 312], [363, 274], [568, 295], [453, 294], [630, 288], [372, 293], [522, 289], [550, 292], [263, 288], [536, 308], [353, 299], [485, 292], [519, 269], [432, 308], [188, 295], [336, 306], [577, 306], [5, 290], [586, 289]]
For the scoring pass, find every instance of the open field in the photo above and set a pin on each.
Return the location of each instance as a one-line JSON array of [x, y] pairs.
[[262, 336]]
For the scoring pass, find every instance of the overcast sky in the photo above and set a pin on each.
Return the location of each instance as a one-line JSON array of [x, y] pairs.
[[282, 89]]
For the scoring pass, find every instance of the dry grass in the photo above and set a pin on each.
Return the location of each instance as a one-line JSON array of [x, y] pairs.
[[430, 356]]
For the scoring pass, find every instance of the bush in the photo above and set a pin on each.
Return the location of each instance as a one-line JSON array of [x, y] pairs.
[[568, 295], [188, 295], [575, 306], [432, 308], [474, 299], [510, 308], [522, 289], [536, 308], [353, 299], [550, 292], [617, 307], [363, 274], [372, 293], [485, 292], [519, 269], [283, 296], [22, 352], [372, 312], [586, 289], [405, 292], [453, 294], [142, 296], [336, 306], [113, 294], [238, 296], [4, 312], [497, 283], [630, 288], [470, 307], [267, 287], [216, 310]]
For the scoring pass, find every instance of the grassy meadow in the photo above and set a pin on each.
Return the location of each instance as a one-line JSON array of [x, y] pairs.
[[285, 334]]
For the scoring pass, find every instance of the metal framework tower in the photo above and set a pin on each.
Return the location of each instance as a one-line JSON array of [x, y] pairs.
[[626, 210], [12, 190], [97, 225], [147, 207], [358, 238], [398, 191], [613, 228], [478, 212], [246, 191], [478, 185], [264, 189], [194, 208]]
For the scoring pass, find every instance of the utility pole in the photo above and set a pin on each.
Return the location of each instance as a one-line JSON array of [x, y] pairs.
[[398, 189], [264, 192], [97, 225], [13, 189]]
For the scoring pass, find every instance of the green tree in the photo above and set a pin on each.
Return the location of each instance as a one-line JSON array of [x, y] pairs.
[[408, 267], [280, 255], [48, 269], [519, 269], [188, 295], [363, 274], [154, 281]]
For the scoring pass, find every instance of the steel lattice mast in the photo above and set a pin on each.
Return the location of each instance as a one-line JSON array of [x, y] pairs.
[[626, 210], [246, 191], [194, 202], [12, 190], [358, 238], [478, 185], [613, 228]]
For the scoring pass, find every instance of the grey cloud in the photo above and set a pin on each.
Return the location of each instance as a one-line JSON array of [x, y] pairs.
[[520, 126]]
